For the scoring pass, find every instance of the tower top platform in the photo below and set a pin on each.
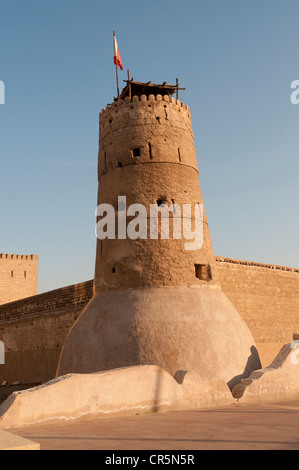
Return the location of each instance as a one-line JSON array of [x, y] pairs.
[[134, 88]]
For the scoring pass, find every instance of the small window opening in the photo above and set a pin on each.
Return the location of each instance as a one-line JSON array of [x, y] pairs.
[[120, 165], [203, 272], [179, 154], [25, 274], [136, 152], [11, 274], [113, 270], [150, 150]]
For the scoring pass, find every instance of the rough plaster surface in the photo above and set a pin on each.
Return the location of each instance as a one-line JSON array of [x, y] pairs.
[[125, 391], [175, 328], [279, 381], [145, 389]]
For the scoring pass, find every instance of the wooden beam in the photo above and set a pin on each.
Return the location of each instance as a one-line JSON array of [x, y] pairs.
[[129, 85]]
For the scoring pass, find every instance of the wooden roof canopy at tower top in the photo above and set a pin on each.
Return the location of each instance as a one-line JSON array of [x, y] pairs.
[[139, 88]]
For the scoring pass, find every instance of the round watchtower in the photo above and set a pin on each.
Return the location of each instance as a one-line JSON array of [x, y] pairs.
[[147, 156], [156, 300]]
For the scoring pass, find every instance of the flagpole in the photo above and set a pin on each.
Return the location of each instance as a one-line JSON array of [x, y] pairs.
[[116, 65]]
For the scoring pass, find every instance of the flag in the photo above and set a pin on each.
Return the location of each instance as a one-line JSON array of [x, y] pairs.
[[117, 59]]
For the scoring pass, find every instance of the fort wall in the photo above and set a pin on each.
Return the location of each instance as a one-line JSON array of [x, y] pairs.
[[267, 298], [18, 277], [34, 329]]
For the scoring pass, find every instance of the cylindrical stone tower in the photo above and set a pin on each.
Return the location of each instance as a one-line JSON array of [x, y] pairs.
[[156, 300]]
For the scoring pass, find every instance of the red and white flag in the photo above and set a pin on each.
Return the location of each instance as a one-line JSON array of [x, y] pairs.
[[117, 59]]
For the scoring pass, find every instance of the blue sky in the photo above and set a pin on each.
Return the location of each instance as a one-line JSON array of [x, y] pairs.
[[236, 59]]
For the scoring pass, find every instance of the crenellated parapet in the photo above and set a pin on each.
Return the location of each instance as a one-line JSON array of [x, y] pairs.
[[143, 129], [145, 100], [4, 256]]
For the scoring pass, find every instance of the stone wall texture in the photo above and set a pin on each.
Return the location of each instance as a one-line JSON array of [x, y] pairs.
[[267, 298], [18, 277], [34, 329]]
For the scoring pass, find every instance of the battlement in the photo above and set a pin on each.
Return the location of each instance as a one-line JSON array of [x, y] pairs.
[[147, 128], [144, 99], [4, 256]]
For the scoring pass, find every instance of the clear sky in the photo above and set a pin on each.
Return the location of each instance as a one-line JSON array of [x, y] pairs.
[[236, 59]]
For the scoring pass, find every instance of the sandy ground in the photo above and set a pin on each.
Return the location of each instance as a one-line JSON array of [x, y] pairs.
[[262, 426]]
